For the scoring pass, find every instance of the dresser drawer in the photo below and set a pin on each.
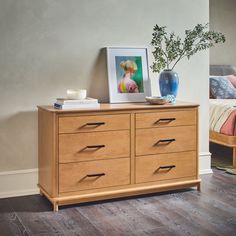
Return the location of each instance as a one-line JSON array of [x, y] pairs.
[[164, 140], [165, 166], [93, 174], [74, 124], [92, 146], [165, 119]]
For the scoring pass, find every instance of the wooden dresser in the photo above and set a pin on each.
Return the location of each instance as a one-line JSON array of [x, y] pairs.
[[117, 150]]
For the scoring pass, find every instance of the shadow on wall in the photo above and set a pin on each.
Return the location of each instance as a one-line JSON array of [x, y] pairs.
[[19, 141], [99, 80]]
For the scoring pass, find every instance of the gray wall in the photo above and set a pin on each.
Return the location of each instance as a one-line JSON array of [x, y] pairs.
[[223, 19], [47, 46]]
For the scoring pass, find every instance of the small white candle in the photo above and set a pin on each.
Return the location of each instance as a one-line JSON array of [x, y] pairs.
[[76, 94], [82, 93]]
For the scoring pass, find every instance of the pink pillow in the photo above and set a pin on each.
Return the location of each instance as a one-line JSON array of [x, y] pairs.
[[232, 79]]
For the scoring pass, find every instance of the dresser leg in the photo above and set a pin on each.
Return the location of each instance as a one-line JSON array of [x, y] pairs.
[[55, 207], [234, 157], [199, 187]]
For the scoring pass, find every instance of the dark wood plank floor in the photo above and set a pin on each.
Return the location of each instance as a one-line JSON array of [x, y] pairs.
[[209, 212]]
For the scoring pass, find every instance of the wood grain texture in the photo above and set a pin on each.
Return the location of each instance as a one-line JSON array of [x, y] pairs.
[[10, 224], [177, 118], [122, 107], [197, 150], [79, 153], [209, 212], [74, 124], [74, 147], [135, 188], [149, 168], [132, 148], [74, 176], [47, 151], [130, 190], [234, 157], [147, 140], [222, 139]]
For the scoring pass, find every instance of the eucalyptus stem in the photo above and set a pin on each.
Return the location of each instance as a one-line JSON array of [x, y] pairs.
[[170, 49], [167, 59], [180, 57]]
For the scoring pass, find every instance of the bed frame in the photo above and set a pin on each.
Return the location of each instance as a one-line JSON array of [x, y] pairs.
[[225, 140], [215, 137]]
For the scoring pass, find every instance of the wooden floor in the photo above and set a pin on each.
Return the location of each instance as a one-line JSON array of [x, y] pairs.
[[210, 212]]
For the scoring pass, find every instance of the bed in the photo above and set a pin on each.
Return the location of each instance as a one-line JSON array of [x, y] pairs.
[[222, 128]]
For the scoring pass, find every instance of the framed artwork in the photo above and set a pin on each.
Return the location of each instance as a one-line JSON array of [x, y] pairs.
[[128, 76]]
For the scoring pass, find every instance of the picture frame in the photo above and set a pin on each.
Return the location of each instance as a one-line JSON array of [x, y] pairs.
[[128, 74]]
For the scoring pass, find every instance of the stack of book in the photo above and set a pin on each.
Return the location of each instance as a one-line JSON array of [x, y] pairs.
[[73, 104]]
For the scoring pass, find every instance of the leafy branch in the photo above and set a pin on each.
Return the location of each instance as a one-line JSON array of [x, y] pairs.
[[169, 49]]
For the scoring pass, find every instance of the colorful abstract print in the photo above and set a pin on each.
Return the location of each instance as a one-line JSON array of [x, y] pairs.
[[129, 74]]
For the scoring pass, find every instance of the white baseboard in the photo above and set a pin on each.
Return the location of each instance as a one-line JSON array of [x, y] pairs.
[[205, 163], [24, 182], [18, 183]]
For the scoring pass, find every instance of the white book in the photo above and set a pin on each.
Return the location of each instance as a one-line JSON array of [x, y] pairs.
[[76, 106], [65, 101]]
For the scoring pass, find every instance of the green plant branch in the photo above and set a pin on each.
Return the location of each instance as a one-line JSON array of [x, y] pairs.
[[167, 60], [170, 49], [181, 57]]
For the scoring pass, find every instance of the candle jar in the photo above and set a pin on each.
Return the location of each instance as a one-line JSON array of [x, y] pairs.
[[76, 94]]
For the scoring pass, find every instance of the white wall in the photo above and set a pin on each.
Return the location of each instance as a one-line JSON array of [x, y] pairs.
[[48, 46], [223, 18]]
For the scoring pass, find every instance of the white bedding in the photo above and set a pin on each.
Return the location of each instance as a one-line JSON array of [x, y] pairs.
[[220, 110]]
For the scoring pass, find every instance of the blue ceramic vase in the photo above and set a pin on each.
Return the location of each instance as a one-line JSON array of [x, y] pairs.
[[168, 82]]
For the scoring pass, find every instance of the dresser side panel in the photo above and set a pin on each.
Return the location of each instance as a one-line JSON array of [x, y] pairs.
[[197, 142], [47, 152]]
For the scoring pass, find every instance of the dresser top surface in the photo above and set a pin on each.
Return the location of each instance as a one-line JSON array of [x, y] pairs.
[[123, 106]]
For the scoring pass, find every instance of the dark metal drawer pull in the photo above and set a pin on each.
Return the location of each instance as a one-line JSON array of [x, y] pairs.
[[167, 167], [96, 175], [95, 123], [167, 141], [165, 120], [96, 146]]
